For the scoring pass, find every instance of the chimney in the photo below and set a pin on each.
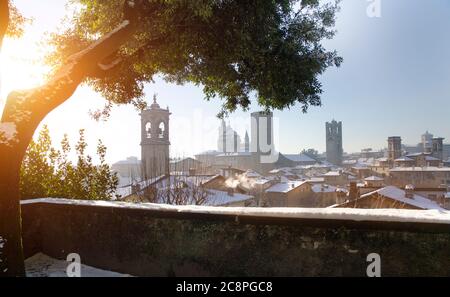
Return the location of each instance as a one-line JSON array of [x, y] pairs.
[[230, 192], [409, 191], [135, 188], [353, 193], [192, 171]]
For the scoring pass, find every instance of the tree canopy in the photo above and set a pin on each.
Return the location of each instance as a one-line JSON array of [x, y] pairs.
[[49, 172], [11, 20], [232, 48]]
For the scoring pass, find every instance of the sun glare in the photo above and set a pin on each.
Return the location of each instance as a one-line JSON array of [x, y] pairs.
[[22, 65]]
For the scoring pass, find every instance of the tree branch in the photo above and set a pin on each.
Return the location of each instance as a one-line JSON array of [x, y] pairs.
[[4, 19], [29, 107]]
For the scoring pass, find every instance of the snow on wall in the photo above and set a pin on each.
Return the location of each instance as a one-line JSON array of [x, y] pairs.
[[7, 132], [2, 244], [352, 214], [41, 265]]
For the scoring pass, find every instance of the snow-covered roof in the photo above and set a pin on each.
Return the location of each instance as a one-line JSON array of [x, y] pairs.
[[217, 198], [285, 187], [383, 159], [323, 188], [447, 195], [374, 178], [415, 154], [315, 180], [284, 170], [300, 158], [238, 154], [360, 167], [370, 160], [345, 214], [129, 161], [128, 189], [209, 153], [430, 158], [327, 164], [400, 195], [427, 169], [341, 189], [314, 166], [261, 181], [188, 159], [210, 178], [365, 161], [252, 174], [332, 173], [403, 159]]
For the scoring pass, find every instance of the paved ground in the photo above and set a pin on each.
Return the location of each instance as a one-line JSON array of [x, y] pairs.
[[41, 265]]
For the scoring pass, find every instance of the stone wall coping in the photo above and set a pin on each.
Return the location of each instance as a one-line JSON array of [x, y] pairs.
[[344, 214]]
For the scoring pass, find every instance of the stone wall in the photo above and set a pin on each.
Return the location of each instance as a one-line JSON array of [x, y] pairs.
[[170, 241]]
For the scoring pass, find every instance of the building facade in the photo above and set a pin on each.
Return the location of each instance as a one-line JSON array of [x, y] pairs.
[[420, 177]]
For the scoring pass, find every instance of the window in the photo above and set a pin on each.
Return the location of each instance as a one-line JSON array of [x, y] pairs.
[[161, 130], [148, 130]]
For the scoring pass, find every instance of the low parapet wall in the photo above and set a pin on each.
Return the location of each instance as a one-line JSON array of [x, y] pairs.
[[158, 240]]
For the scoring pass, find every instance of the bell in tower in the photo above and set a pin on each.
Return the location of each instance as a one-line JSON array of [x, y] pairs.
[[155, 142]]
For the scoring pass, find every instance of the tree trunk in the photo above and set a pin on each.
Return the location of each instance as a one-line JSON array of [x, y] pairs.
[[21, 116], [23, 112], [11, 255]]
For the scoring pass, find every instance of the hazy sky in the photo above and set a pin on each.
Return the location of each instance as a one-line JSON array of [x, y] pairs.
[[395, 80]]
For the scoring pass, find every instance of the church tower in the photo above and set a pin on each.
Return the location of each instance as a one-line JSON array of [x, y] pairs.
[[155, 140], [247, 143], [334, 142], [222, 142]]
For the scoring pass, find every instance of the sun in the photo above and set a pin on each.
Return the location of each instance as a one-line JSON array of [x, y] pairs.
[[21, 65]]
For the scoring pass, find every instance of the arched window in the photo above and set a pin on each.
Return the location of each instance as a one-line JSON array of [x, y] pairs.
[[161, 130], [148, 130]]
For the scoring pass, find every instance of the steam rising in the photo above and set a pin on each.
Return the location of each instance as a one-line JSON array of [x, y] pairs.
[[240, 180]]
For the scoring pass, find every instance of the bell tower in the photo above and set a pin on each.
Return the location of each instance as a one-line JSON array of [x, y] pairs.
[[155, 140]]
